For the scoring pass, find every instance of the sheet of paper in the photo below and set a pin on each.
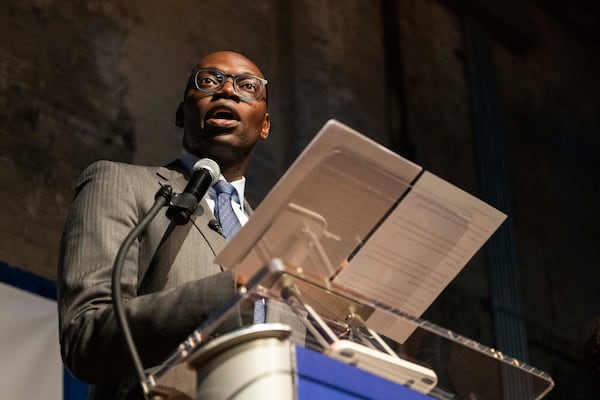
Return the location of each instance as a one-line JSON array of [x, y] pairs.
[[361, 219], [421, 246]]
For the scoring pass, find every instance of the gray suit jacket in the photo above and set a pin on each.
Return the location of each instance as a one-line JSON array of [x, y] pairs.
[[170, 283]]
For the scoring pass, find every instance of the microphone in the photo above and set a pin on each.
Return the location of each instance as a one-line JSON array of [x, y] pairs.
[[215, 226], [182, 206]]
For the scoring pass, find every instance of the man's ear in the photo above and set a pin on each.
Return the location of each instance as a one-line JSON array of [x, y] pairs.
[[179, 115], [264, 133]]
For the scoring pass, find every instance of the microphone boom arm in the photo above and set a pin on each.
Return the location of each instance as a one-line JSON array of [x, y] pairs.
[[162, 198], [181, 208]]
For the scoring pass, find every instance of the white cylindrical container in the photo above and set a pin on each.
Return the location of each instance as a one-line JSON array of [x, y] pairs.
[[256, 362]]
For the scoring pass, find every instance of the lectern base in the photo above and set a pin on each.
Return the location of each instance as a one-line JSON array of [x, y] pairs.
[[253, 363]]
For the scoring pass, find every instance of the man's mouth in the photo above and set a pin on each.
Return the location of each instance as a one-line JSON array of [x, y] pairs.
[[222, 117]]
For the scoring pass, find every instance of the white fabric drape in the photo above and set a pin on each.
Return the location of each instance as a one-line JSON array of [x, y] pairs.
[[30, 364]]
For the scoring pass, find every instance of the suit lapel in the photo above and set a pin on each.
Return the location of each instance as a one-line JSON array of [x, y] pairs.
[[176, 175]]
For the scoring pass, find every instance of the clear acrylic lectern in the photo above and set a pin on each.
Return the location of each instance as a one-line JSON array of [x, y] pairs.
[[358, 242]]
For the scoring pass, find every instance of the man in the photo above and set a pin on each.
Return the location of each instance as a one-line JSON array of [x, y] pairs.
[[170, 283]]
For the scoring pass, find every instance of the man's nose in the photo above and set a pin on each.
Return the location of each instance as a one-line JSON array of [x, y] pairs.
[[228, 88]]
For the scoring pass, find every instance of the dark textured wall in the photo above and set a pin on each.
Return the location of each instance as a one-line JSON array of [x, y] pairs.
[[551, 114], [85, 80], [62, 105]]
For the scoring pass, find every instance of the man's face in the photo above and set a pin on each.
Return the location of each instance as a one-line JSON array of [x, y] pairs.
[[221, 125]]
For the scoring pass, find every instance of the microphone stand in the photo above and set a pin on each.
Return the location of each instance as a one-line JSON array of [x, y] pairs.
[[162, 198]]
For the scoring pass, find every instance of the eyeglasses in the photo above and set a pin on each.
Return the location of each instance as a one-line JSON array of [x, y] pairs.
[[248, 87]]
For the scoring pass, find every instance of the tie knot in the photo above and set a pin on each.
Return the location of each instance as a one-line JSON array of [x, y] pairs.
[[224, 187]]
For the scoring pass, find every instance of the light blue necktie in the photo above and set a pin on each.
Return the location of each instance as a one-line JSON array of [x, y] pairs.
[[230, 224]]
